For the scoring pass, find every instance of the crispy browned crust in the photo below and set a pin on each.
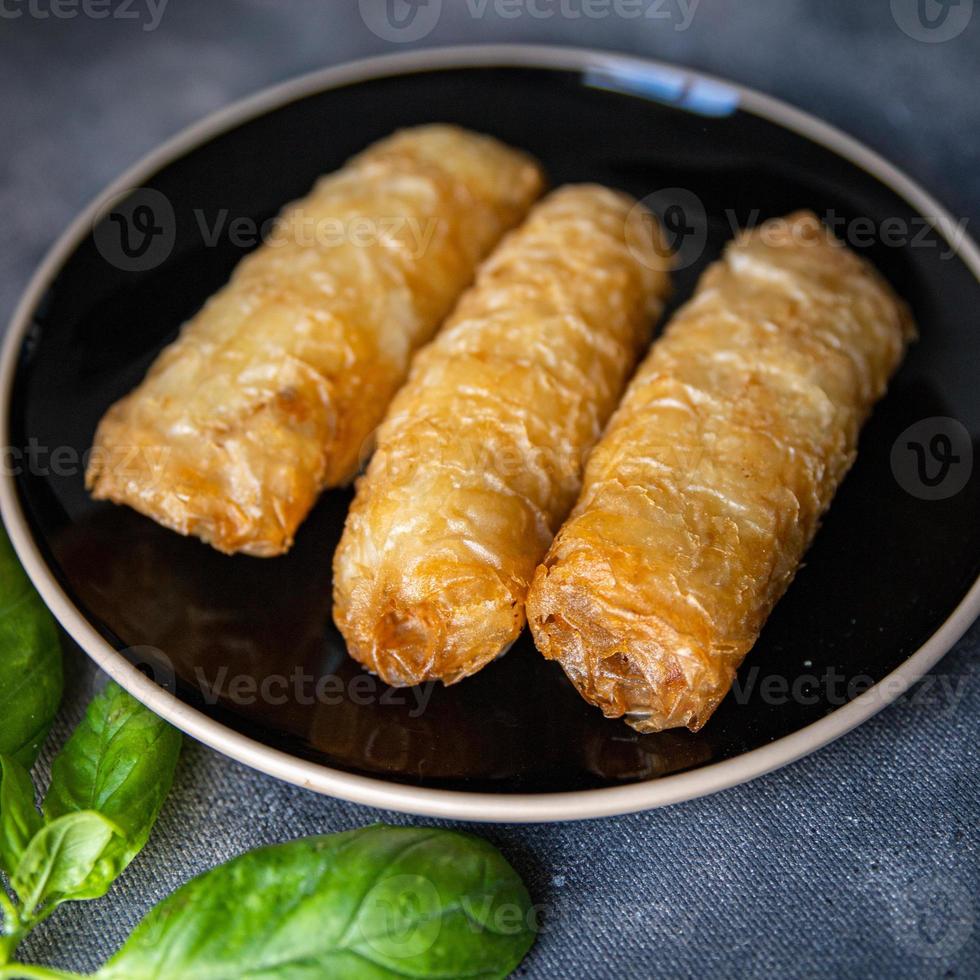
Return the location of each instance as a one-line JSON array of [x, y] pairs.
[[272, 390], [705, 491], [481, 453]]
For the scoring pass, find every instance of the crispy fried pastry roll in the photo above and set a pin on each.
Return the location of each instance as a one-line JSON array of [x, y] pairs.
[[480, 456], [272, 388], [706, 489]]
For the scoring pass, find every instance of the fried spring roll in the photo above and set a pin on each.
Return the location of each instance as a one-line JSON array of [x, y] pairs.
[[480, 456], [270, 391], [706, 489]]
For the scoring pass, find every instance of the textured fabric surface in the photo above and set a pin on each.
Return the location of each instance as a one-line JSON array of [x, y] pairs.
[[861, 860]]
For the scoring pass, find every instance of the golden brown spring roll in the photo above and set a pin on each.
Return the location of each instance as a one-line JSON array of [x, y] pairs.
[[480, 456], [705, 491], [270, 392]]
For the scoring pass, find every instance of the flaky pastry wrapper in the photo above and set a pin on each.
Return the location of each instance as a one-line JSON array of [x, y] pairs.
[[271, 390], [705, 491], [481, 454]]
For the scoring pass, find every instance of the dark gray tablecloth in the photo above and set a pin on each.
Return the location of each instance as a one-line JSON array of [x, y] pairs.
[[861, 860]]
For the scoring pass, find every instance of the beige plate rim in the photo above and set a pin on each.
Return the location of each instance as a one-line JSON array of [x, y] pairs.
[[377, 792]]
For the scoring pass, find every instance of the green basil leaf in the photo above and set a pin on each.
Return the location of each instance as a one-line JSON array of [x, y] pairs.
[[60, 859], [376, 903], [19, 817], [30, 661], [119, 761]]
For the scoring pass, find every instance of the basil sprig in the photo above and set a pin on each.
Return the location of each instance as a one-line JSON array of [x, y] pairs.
[[59, 860], [380, 902], [19, 818], [30, 662], [107, 786], [120, 763]]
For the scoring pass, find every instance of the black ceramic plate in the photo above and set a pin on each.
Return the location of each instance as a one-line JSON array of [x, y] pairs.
[[879, 595]]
